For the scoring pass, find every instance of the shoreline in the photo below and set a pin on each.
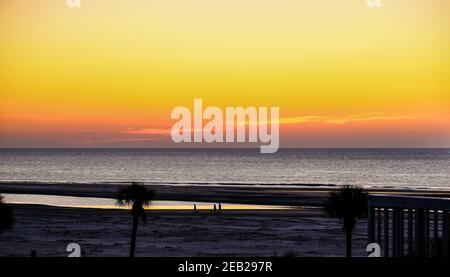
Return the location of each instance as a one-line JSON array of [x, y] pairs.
[[294, 211], [256, 195]]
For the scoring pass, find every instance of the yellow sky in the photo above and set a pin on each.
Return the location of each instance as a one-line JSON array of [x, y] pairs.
[[83, 76]]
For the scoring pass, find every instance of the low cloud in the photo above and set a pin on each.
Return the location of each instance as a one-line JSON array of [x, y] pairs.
[[345, 119], [149, 131], [335, 120]]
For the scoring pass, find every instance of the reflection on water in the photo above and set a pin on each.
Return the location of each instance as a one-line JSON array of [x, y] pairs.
[[107, 203]]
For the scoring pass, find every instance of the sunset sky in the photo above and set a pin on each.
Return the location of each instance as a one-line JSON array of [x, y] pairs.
[[109, 73]]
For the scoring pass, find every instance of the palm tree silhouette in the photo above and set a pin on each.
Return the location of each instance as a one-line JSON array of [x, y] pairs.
[[136, 195], [6, 215], [348, 203]]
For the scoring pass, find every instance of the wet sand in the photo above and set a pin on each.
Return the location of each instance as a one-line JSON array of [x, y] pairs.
[[301, 195]]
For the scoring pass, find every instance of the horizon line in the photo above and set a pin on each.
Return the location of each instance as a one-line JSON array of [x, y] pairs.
[[214, 148]]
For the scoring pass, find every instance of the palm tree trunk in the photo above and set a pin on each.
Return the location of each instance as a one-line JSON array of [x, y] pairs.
[[348, 242], [133, 235]]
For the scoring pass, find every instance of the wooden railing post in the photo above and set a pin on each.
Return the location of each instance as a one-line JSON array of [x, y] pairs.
[[401, 244], [427, 232], [410, 233], [395, 233], [379, 222], [386, 232], [435, 233], [371, 225], [445, 234], [420, 233]]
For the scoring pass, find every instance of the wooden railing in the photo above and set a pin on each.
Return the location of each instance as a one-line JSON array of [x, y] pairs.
[[409, 225]]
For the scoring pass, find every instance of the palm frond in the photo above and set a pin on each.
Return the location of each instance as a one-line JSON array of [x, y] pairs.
[[134, 193], [348, 203]]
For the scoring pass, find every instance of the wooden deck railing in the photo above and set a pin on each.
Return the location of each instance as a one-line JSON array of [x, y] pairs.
[[409, 226]]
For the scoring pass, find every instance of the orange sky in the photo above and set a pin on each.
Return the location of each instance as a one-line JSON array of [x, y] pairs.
[[343, 74]]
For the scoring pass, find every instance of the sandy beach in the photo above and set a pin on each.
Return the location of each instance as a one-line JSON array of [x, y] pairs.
[[305, 232]]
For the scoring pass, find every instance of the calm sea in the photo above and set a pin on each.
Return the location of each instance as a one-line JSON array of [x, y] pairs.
[[386, 168]]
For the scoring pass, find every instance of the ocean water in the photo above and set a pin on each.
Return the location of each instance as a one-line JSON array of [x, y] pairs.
[[381, 168]]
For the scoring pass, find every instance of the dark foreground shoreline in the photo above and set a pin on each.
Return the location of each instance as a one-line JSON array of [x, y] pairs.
[[178, 233], [302, 230]]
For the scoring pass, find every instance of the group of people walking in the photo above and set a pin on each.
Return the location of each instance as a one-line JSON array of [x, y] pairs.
[[217, 208]]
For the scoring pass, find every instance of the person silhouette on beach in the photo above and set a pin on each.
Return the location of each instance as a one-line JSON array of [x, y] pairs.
[[220, 208], [215, 208], [195, 208]]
